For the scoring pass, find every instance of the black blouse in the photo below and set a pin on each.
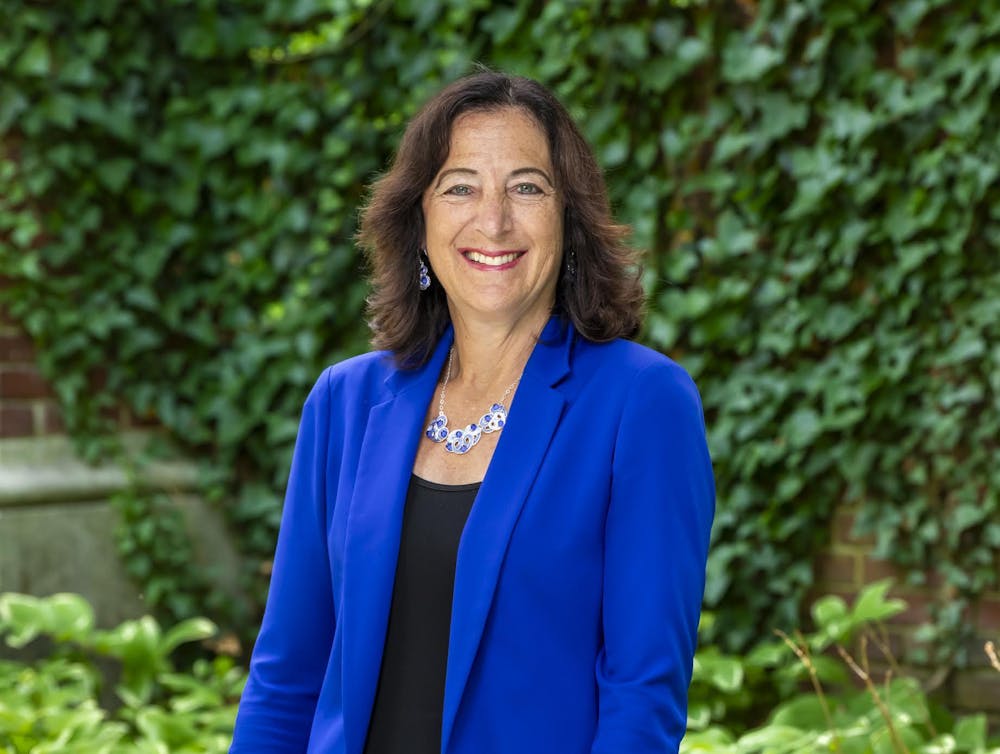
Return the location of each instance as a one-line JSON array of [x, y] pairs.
[[407, 713]]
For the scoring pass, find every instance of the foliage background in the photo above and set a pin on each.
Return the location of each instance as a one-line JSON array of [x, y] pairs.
[[815, 181]]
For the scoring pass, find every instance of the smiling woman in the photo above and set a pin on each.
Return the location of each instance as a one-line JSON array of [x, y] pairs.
[[483, 548], [493, 220], [602, 297]]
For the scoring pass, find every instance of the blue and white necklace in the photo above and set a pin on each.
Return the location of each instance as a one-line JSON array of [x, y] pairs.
[[463, 440]]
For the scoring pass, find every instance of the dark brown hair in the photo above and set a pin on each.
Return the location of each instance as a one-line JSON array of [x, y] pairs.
[[603, 297]]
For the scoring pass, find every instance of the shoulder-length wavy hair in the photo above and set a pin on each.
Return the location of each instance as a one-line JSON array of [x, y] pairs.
[[603, 297]]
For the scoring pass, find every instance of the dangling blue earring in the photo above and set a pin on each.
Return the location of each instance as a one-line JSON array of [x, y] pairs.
[[425, 278]]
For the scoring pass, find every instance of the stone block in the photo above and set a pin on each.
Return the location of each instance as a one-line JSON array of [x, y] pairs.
[[67, 547], [57, 525]]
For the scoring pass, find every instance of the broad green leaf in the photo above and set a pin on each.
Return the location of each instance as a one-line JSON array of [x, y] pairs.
[[783, 738], [35, 60], [193, 629], [803, 713], [829, 610], [872, 603], [970, 733]]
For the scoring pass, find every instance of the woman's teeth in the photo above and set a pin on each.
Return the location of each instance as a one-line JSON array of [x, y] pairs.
[[475, 256]]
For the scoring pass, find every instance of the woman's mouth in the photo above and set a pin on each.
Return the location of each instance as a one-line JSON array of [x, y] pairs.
[[492, 260]]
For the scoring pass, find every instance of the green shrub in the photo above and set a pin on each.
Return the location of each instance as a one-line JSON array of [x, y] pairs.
[[817, 696], [55, 704]]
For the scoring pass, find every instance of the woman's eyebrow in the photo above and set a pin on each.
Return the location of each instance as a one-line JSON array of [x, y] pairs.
[[513, 174], [450, 171], [537, 171]]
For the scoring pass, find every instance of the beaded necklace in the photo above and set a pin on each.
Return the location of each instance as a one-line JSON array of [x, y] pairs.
[[463, 440]]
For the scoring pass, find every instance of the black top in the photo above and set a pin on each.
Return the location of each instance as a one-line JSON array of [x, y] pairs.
[[408, 706]]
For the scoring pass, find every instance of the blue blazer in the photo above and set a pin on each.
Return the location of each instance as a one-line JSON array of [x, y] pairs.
[[580, 570]]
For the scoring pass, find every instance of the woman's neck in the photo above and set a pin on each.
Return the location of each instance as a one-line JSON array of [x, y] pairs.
[[489, 355]]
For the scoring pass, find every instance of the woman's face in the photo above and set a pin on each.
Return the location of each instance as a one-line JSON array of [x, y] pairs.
[[493, 219]]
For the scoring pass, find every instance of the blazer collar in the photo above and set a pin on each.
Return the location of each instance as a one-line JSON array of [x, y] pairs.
[[376, 513], [549, 361], [400, 380]]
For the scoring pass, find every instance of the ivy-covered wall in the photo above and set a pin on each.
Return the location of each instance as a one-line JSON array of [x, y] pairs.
[[816, 182]]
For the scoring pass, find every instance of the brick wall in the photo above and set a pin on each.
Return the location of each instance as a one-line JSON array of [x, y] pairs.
[[847, 566], [27, 404]]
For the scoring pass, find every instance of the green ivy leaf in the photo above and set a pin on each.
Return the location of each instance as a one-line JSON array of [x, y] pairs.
[[36, 60], [114, 173], [743, 62]]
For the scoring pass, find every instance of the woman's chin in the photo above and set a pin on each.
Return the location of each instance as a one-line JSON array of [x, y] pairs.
[[502, 307]]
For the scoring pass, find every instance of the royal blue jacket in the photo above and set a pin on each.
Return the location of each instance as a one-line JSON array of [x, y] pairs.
[[580, 570]]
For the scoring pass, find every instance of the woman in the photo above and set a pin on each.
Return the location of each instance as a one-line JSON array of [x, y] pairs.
[[495, 529]]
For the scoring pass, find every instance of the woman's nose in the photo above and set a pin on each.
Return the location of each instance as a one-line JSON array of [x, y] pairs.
[[495, 218]]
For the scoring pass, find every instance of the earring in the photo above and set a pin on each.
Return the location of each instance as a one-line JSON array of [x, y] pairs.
[[425, 277]]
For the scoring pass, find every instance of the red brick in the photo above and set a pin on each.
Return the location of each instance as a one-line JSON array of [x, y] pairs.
[[837, 569], [6, 321], [17, 349], [899, 639], [977, 691], [988, 616], [16, 421], [53, 423], [935, 579], [917, 610], [23, 382], [876, 570], [843, 530]]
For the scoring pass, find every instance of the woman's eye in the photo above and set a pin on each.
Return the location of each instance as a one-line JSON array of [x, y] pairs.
[[527, 189], [459, 190]]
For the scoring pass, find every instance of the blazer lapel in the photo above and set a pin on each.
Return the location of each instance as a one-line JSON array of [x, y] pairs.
[[532, 420], [373, 532]]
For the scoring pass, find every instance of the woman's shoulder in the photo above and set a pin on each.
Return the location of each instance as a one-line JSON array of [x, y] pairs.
[[626, 360], [639, 381], [356, 377]]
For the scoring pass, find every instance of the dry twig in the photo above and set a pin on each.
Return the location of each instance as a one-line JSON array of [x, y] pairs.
[[801, 650], [991, 652], [897, 742]]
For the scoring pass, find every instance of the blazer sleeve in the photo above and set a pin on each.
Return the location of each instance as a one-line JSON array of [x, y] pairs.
[[290, 655], [656, 544]]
